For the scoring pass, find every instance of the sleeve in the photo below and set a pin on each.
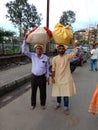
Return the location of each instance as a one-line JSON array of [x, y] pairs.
[[24, 49], [47, 68], [53, 64], [92, 52], [73, 53]]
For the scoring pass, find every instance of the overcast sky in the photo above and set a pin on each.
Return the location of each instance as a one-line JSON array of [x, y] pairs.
[[86, 12]]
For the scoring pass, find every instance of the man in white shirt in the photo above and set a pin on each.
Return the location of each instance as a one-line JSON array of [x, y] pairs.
[[40, 73], [93, 58]]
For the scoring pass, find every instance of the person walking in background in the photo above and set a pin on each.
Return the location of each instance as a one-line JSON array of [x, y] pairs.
[[63, 83], [93, 58], [40, 73]]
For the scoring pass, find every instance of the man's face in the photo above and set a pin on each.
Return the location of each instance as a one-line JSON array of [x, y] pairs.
[[39, 50], [61, 50]]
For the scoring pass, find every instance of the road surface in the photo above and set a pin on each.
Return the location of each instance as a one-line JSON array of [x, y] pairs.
[[15, 113]]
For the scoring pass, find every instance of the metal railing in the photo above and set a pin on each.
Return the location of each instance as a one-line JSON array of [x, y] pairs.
[[9, 49]]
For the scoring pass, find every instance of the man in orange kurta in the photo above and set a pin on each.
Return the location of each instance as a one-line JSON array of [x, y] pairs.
[[63, 83]]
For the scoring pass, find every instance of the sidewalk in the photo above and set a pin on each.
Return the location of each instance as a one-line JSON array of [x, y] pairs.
[[14, 78]]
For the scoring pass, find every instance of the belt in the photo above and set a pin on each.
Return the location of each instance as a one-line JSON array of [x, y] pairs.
[[38, 75]]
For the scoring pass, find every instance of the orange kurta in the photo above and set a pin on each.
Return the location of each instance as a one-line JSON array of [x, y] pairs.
[[93, 107], [64, 84]]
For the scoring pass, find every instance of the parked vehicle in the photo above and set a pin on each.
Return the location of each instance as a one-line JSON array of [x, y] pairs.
[[86, 50], [73, 64], [82, 56]]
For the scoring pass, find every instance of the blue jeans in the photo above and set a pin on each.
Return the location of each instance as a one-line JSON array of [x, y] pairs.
[[93, 64], [66, 102]]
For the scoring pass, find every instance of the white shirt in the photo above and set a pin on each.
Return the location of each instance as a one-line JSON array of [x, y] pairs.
[[40, 65], [94, 53]]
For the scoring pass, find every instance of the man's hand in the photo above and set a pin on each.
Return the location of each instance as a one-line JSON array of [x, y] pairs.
[[47, 80], [53, 80], [73, 43]]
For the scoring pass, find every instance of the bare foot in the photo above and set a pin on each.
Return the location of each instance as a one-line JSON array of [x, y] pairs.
[[32, 108], [66, 112], [43, 107], [57, 107]]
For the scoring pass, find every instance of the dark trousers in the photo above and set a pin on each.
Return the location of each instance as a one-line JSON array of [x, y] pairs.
[[93, 64], [38, 81]]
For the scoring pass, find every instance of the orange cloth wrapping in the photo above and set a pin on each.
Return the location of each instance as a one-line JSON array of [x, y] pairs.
[[93, 108], [62, 34]]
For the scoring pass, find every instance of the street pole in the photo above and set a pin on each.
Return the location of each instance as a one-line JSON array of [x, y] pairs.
[[47, 20], [47, 25]]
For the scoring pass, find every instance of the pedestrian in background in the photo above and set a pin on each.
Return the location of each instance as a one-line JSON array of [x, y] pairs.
[[40, 73], [93, 58], [63, 83]]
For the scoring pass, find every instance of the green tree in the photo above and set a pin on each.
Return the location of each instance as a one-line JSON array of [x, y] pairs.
[[67, 18], [5, 33], [9, 33], [23, 15], [1, 35]]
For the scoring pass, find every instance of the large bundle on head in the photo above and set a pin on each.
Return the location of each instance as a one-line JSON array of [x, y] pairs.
[[62, 34], [40, 35]]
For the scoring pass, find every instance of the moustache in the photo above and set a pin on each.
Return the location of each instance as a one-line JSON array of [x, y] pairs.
[[61, 52]]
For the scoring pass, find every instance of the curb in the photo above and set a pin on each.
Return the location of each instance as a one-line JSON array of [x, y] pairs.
[[14, 84]]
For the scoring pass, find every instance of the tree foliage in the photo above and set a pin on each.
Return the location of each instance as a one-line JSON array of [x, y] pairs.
[[5, 33], [23, 15], [67, 18]]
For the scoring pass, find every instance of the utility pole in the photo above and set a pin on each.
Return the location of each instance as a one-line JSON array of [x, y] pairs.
[[47, 25], [47, 20]]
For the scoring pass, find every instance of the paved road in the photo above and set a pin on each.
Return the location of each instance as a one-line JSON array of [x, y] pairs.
[[16, 113]]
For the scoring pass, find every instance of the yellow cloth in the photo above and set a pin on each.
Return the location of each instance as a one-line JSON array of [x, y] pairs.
[[62, 34], [64, 84]]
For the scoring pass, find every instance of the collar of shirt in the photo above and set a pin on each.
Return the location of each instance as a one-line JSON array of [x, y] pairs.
[[39, 57]]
